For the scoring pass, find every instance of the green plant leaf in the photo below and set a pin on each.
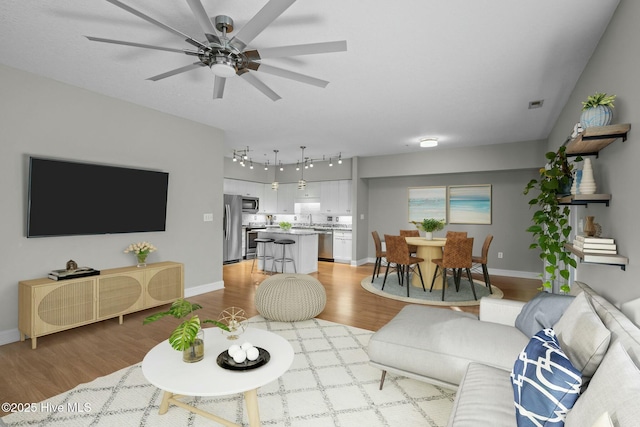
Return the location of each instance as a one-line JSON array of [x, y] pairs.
[[185, 334], [155, 317]]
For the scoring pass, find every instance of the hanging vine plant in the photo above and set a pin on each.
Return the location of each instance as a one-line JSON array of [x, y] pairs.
[[551, 229]]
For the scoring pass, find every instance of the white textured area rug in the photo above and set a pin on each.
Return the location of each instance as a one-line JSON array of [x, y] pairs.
[[330, 383]]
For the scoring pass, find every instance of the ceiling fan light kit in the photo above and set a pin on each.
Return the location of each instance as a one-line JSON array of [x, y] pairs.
[[229, 57]]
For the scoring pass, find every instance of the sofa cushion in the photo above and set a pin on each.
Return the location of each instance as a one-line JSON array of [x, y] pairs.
[[583, 336], [622, 329], [484, 399], [542, 312], [614, 388], [545, 383], [437, 344]]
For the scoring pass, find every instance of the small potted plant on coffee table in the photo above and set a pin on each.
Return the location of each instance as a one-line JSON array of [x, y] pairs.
[[188, 336]]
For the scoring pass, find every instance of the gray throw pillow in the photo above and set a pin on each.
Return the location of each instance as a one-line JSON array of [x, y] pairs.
[[615, 388], [542, 312]]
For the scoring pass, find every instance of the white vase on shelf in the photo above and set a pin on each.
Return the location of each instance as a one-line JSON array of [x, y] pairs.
[[587, 182]]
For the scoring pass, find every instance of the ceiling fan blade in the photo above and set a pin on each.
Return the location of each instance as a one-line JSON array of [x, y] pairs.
[[177, 71], [202, 18], [259, 22], [303, 49], [147, 18], [257, 83], [146, 46], [218, 87], [303, 78]]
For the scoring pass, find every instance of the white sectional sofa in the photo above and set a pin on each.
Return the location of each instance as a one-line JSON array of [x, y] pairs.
[[478, 357]]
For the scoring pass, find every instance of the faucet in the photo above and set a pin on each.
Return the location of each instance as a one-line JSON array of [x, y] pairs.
[[310, 216]]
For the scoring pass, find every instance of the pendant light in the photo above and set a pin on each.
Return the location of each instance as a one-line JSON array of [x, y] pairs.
[[274, 184], [302, 184]]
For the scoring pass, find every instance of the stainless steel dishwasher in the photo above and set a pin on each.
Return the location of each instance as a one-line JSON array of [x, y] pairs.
[[325, 244]]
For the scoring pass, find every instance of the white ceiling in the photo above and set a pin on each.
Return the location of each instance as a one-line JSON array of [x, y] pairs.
[[460, 70]]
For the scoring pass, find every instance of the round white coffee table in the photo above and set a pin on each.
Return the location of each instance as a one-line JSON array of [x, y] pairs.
[[164, 368]]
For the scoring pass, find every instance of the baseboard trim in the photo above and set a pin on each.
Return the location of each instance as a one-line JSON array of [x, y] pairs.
[[203, 289], [9, 336]]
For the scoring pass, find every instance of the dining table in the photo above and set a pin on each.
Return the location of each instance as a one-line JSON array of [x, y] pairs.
[[427, 250]]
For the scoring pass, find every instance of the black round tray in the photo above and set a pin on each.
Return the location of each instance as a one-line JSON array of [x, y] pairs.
[[225, 361]]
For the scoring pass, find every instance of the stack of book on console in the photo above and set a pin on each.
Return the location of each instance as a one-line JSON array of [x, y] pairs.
[[73, 274]]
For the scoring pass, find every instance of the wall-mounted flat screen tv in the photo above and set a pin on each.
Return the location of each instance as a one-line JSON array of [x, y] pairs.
[[72, 198]]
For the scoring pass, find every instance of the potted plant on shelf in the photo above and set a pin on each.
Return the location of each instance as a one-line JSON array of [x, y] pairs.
[[429, 225], [597, 110], [551, 227], [187, 336]]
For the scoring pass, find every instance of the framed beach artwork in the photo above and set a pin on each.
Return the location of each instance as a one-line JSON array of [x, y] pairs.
[[427, 202], [470, 204]]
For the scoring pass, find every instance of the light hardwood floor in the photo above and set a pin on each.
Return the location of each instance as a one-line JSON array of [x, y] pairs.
[[66, 359]]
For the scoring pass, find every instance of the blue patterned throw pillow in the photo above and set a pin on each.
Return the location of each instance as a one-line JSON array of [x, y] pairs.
[[545, 383]]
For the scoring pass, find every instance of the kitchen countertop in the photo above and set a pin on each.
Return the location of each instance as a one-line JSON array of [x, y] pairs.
[[297, 231]]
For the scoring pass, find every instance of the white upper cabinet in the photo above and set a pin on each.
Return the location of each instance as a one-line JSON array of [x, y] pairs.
[[334, 196], [286, 195], [269, 203]]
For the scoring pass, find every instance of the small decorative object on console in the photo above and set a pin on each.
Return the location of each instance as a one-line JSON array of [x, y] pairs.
[[71, 265], [234, 318], [141, 250]]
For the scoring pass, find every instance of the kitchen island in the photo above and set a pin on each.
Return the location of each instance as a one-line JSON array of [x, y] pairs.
[[304, 252]]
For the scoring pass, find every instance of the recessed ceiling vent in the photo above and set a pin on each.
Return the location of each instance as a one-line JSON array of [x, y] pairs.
[[536, 104]]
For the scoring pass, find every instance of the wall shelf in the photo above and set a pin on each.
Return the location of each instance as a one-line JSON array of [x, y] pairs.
[[584, 199], [593, 139], [605, 259]]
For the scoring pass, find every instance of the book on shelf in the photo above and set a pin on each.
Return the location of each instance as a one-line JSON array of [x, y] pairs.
[[583, 245], [587, 239], [604, 259], [72, 274], [598, 251]]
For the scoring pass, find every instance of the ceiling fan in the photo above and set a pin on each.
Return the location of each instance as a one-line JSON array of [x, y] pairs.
[[228, 57]]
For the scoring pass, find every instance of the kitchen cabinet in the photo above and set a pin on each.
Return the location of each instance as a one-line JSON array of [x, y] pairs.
[[269, 202], [344, 196], [342, 244], [310, 194], [286, 194], [335, 197], [243, 188]]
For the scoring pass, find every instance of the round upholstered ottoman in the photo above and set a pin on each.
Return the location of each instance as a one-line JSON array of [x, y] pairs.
[[290, 297]]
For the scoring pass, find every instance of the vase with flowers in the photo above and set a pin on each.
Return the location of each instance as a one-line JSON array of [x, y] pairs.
[[141, 250], [429, 225]]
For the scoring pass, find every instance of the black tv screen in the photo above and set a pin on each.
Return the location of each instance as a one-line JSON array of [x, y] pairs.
[[71, 198]]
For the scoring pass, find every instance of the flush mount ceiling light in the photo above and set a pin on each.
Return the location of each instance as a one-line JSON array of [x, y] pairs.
[[428, 142]]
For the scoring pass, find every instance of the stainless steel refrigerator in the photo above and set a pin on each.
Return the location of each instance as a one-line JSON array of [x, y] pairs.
[[232, 229]]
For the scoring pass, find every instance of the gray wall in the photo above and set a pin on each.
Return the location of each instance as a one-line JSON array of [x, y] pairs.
[[613, 69], [46, 118], [388, 213]]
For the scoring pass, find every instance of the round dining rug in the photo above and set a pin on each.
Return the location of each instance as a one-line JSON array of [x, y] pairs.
[[464, 297]]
